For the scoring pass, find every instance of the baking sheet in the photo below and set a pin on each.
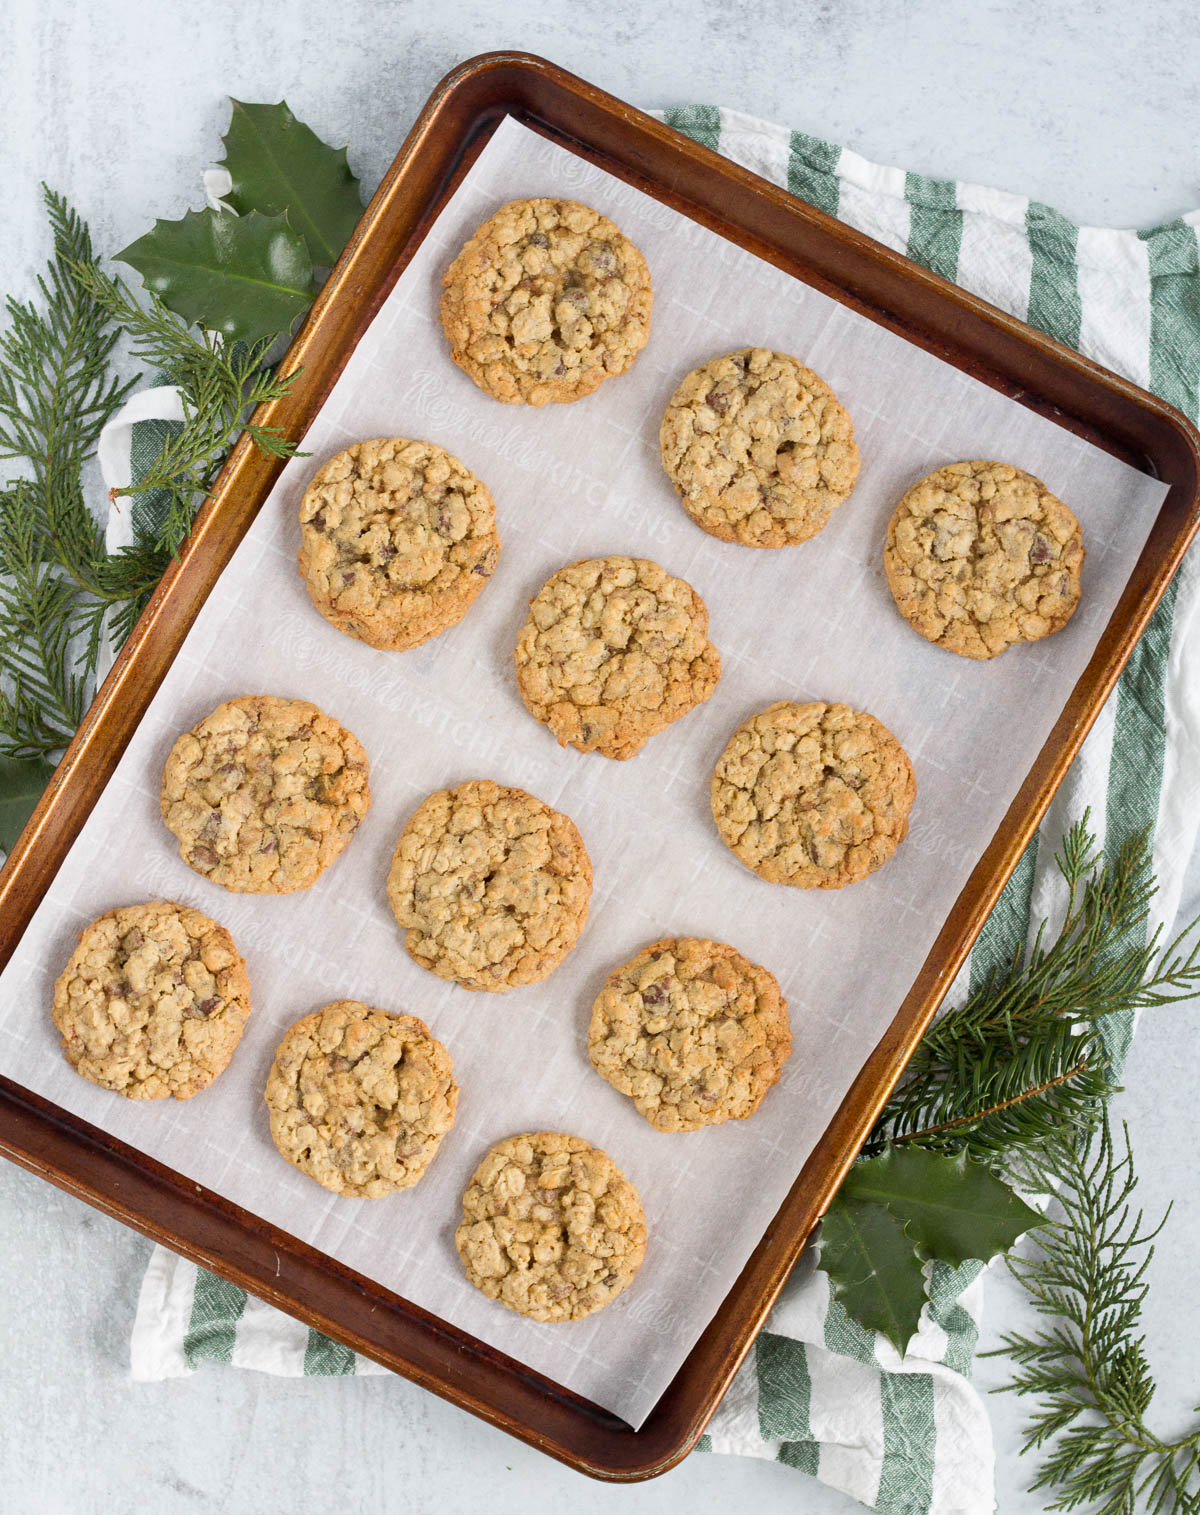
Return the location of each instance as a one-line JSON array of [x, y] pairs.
[[814, 622]]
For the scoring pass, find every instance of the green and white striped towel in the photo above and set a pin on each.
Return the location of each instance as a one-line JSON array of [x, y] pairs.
[[818, 1392]]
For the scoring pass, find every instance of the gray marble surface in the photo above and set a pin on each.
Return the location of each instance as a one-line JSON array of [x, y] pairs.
[[1088, 106]]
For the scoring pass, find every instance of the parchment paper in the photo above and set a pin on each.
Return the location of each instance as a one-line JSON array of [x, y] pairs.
[[813, 622]]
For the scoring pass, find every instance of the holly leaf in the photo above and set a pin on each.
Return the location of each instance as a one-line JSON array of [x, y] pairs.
[[952, 1207], [248, 277], [873, 1266], [278, 164], [22, 781]]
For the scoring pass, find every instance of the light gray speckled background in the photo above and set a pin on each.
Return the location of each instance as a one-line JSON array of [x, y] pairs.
[[1089, 105]]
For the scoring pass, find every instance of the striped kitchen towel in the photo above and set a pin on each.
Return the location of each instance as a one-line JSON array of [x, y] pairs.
[[906, 1436]]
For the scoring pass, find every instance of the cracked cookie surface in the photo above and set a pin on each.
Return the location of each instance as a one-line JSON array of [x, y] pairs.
[[491, 884], [759, 448], [264, 793], [980, 556], [396, 540], [614, 650], [360, 1099], [551, 1227], [152, 1002], [694, 1033], [545, 301], [816, 796]]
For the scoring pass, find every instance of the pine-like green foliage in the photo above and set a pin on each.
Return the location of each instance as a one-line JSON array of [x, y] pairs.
[[55, 396], [220, 385], [1019, 1077], [61, 593], [1023, 1059], [55, 389], [1088, 1370]]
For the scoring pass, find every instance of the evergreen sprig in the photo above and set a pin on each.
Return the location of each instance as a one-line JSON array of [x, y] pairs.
[[1017, 1079], [62, 595], [220, 385], [1023, 1059], [43, 696], [1088, 1370], [56, 391]]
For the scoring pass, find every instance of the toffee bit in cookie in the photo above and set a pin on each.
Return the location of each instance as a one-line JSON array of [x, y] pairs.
[[980, 556], [153, 1001], [397, 539], [491, 885], [545, 301], [816, 796], [551, 1227], [614, 650], [759, 449], [264, 793], [360, 1099], [692, 1032]]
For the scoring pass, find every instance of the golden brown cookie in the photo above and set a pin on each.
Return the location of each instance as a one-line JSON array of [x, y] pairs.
[[816, 796], [264, 793], [551, 1227], [614, 650], [491, 884], [153, 1001], [980, 556], [692, 1031], [759, 448], [396, 540], [546, 301], [360, 1099]]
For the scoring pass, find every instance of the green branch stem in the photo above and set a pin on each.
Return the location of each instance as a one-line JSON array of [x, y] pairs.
[[974, 1117]]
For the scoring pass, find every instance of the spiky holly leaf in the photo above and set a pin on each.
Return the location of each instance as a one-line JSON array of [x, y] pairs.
[[873, 1266], [952, 1208], [278, 164], [21, 785], [248, 277]]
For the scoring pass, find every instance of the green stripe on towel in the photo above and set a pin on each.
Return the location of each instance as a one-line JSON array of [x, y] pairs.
[[217, 1307], [935, 223]]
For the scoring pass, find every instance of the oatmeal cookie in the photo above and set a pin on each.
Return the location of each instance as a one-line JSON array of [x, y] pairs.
[[360, 1099], [491, 884], [614, 650], [759, 448], [692, 1031], [816, 796], [980, 556], [551, 1227], [546, 301], [153, 1001], [396, 540], [264, 793]]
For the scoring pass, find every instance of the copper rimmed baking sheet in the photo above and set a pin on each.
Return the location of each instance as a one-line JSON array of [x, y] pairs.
[[573, 482]]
